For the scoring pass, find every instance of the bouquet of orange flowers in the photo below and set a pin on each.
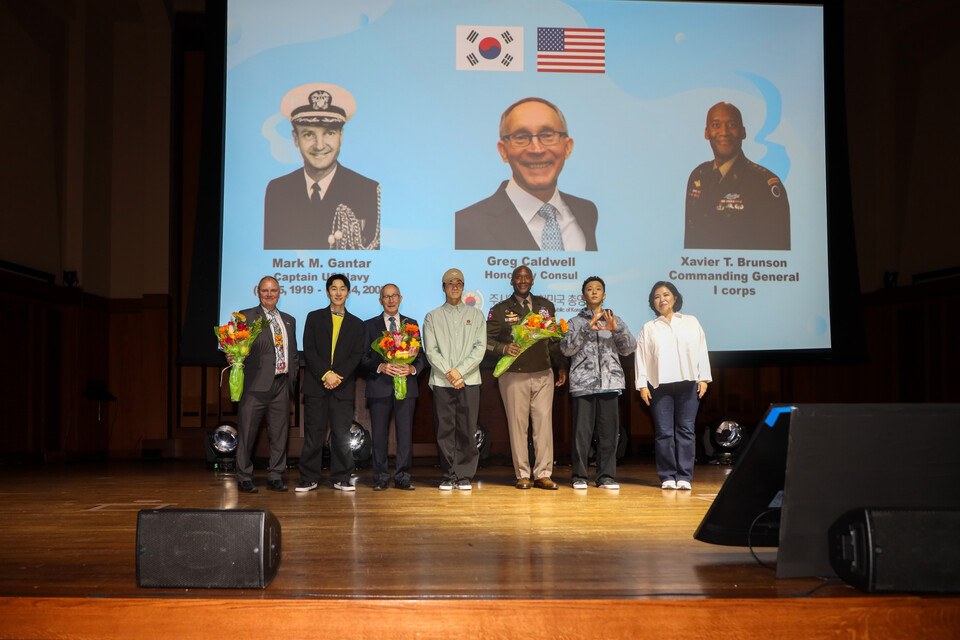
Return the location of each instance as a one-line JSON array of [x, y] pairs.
[[528, 332], [235, 338], [399, 347]]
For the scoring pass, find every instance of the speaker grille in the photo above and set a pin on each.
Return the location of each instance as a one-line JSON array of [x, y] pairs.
[[915, 550], [183, 548], [891, 550]]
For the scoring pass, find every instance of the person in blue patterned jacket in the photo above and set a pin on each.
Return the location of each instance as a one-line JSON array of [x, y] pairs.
[[596, 340]]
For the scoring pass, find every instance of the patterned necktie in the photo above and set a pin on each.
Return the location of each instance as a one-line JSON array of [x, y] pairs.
[[550, 238], [278, 341], [393, 324]]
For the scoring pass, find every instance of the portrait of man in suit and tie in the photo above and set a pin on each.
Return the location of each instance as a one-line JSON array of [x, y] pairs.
[[528, 212], [322, 205]]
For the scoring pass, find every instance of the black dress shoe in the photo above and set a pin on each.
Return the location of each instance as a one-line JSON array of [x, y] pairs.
[[404, 485], [380, 485], [246, 486], [276, 485]]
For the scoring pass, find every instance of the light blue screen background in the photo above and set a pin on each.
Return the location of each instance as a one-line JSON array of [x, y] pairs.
[[427, 133]]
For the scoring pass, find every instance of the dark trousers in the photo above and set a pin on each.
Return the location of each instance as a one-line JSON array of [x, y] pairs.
[[275, 404], [455, 414], [674, 408], [598, 412], [380, 409], [317, 410]]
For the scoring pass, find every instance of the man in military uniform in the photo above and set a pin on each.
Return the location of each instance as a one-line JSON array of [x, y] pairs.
[[527, 386], [324, 205], [733, 203]]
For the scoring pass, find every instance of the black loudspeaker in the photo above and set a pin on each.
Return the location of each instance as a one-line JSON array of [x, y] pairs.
[[848, 456], [904, 550], [209, 548]]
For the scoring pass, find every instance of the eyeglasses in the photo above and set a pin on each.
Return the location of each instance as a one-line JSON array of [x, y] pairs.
[[392, 296], [546, 138], [454, 284]]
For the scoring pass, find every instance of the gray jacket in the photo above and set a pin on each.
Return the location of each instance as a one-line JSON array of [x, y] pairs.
[[595, 355]]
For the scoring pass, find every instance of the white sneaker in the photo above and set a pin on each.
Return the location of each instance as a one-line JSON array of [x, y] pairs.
[[344, 486], [579, 484], [446, 485], [683, 484], [668, 484]]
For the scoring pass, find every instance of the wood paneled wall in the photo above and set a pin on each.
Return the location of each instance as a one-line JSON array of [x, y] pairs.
[[69, 347]]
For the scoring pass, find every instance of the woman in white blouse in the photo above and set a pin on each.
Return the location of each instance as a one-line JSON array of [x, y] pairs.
[[672, 372]]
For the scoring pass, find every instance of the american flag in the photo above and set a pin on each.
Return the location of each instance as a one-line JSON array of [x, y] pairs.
[[570, 50]]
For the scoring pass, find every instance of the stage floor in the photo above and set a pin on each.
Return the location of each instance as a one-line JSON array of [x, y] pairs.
[[405, 564], [71, 530]]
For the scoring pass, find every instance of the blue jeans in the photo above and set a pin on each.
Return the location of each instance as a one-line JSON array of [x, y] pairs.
[[674, 407]]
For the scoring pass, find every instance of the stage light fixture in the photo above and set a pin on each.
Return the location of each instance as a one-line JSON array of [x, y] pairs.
[[361, 445], [221, 446], [482, 437], [722, 441], [224, 439], [727, 435]]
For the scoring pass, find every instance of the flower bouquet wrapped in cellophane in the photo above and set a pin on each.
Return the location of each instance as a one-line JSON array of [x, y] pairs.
[[527, 333], [399, 347], [235, 338]]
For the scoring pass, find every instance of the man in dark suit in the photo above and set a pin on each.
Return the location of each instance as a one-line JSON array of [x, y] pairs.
[[269, 379], [332, 348], [324, 205], [380, 393], [528, 212], [733, 203]]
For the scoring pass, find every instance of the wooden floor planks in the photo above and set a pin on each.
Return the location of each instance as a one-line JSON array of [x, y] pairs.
[[67, 554]]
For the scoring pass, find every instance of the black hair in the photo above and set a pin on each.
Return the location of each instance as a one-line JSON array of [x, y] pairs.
[[583, 289], [338, 276], [670, 286]]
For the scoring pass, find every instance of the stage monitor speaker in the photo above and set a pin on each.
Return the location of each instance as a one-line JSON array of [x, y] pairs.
[[842, 457], [207, 548], [897, 550]]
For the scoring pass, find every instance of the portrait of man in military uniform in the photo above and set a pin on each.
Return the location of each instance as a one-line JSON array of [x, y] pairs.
[[733, 203], [323, 205]]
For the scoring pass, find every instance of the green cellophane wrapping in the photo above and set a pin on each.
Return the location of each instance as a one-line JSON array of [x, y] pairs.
[[239, 349], [526, 337], [399, 382], [236, 378]]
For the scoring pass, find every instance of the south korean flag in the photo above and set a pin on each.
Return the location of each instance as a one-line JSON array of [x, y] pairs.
[[489, 48]]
